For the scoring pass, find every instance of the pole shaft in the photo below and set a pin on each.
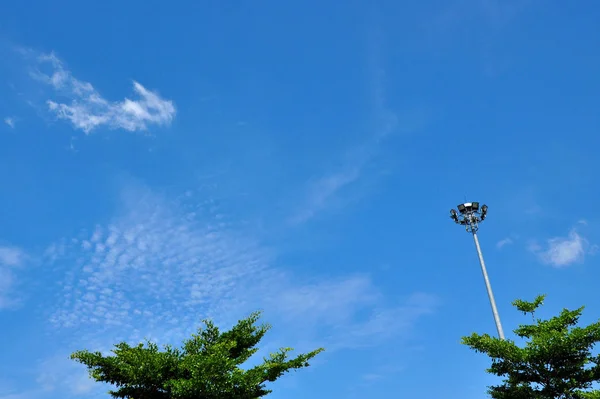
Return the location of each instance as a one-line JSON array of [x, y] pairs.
[[488, 286]]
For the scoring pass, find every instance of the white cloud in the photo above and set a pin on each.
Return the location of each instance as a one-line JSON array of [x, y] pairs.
[[562, 251], [162, 266], [504, 242], [86, 109], [10, 257], [10, 121]]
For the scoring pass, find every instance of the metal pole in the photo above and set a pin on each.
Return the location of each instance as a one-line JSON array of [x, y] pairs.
[[488, 286]]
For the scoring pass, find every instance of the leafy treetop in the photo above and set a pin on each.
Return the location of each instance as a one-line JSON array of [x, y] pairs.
[[557, 361], [207, 366]]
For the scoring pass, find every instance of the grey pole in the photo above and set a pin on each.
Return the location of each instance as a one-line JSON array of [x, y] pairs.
[[488, 286]]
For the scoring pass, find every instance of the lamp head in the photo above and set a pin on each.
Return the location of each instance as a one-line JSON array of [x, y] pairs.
[[484, 210], [454, 215]]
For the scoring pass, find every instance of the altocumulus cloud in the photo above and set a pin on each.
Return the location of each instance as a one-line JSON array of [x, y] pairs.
[[86, 109], [162, 265]]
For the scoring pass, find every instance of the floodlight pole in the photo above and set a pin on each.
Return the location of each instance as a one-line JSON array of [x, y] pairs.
[[470, 216], [488, 287]]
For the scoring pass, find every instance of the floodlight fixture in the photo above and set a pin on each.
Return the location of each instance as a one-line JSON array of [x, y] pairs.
[[454, 215], [470, 215], [484, 210]]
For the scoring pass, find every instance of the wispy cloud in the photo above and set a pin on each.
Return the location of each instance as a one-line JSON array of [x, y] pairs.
[[86, 109], [350, 312], [561, 252], [321, 191], [505, 241], [10, 121], [10, 258], [325, 189]]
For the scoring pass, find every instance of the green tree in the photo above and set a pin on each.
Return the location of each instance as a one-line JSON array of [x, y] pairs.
[[556, 362], [207, 366]]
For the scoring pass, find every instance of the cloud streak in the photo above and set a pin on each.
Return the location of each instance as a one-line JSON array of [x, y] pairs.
[[87, 110], [325, 189], [322, 191], [10, 122]]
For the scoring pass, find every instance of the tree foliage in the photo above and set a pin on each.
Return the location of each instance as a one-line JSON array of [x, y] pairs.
[[556, 362], [207, 366]]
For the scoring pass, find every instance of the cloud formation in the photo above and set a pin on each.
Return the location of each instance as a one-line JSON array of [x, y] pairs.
[[10, 122], [86, 109], [504, 242], [562, 251], [162, 266]]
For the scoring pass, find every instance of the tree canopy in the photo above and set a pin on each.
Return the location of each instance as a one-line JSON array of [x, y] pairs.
[[207, 366], [556, 362]]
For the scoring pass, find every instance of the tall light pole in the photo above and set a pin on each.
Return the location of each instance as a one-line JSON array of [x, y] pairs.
[[470, 215]]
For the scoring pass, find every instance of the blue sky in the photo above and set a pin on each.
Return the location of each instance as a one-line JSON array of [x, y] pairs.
[[166, 162]]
